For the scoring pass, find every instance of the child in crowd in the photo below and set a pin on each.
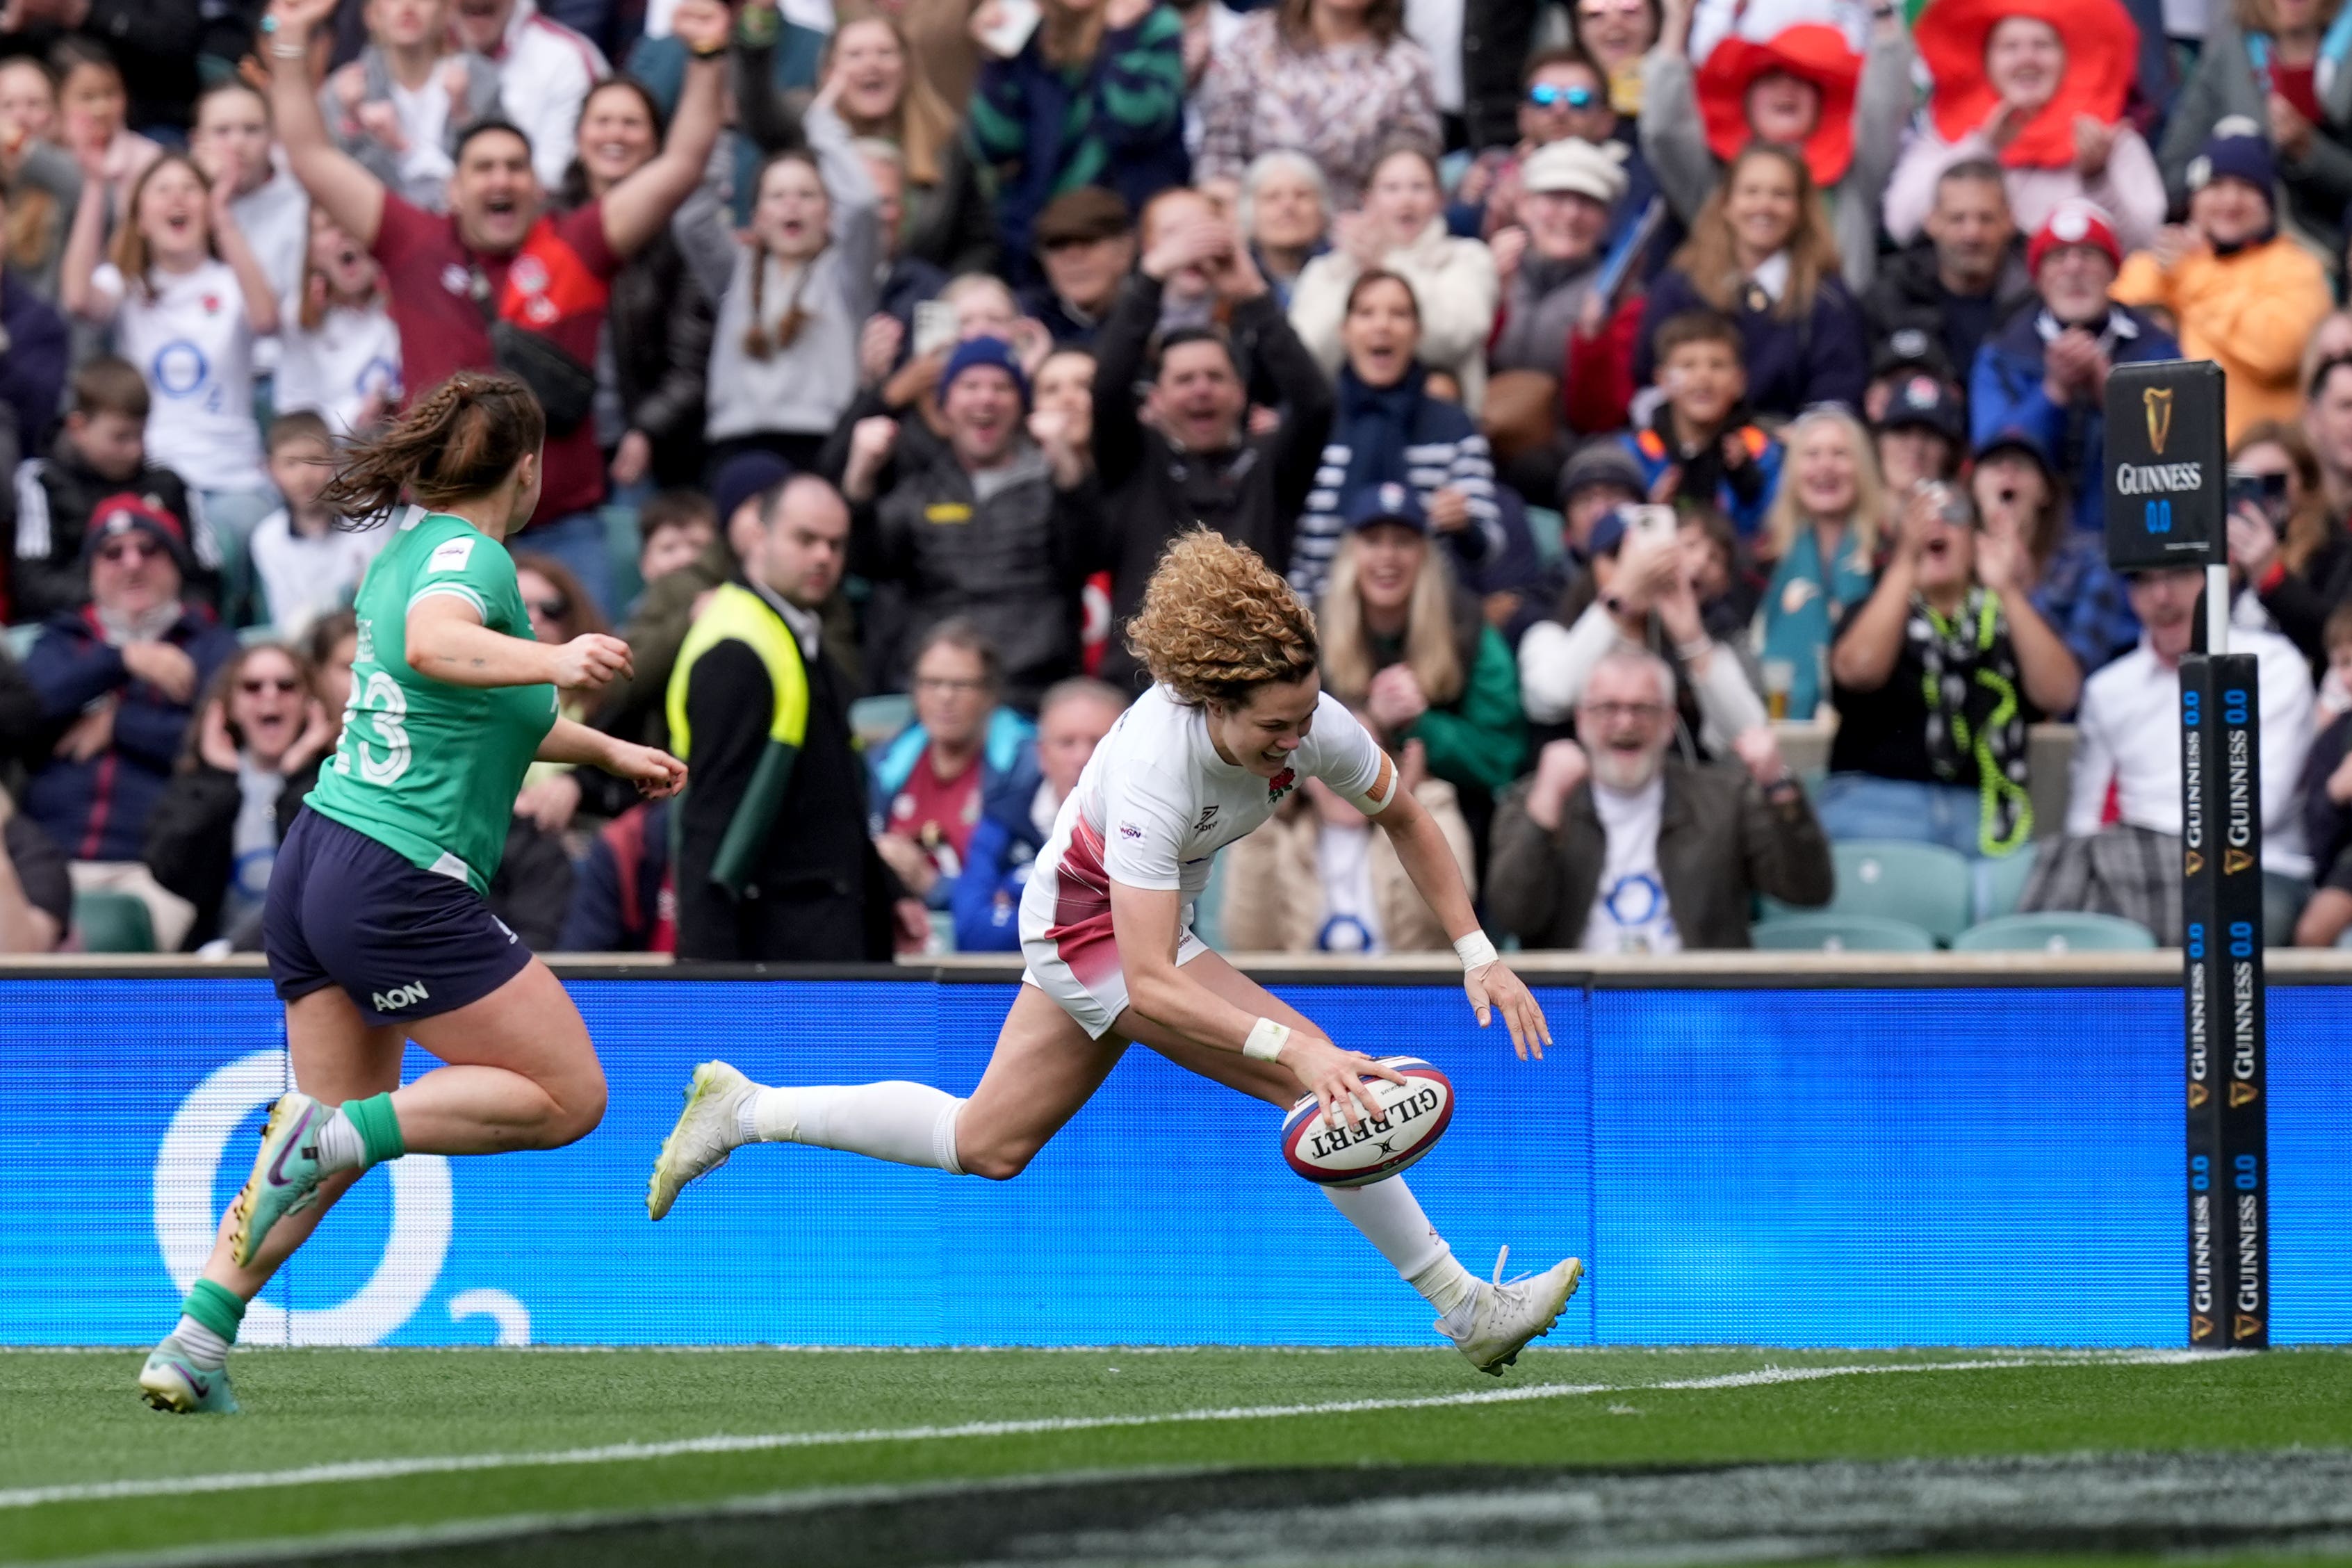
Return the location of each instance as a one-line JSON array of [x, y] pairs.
[[673, 529], [305, 564], [398, 107], [231, 143], [784, 359], [93, 109], [100, 452], [1700, 445], [187, 300], [341, 353]]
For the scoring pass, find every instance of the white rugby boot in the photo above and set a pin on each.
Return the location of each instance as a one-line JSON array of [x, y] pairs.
[[709, 1130], [1503, 1317]]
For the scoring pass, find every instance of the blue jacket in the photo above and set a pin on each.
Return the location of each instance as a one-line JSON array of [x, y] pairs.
[[97, 810], [1651, 456], [1004, 844], [33, 370], [1008, 773], [1792, 366], [2005, 393]]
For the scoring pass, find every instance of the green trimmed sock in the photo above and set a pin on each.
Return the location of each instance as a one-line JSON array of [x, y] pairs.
[[379, 1128], [208, 1322]]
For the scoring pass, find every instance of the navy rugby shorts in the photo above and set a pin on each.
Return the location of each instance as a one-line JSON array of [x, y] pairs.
[[404, 943]]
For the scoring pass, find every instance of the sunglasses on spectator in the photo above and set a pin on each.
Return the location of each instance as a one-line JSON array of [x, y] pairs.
[[554, 609], [125, 549], [254, 685], [1545, 96]]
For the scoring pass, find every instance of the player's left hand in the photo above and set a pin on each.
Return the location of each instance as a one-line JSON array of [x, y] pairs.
[[658, 775], [1493, 986]]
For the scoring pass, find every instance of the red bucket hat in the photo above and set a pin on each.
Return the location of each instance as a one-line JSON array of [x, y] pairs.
[[2101, 53], [1809, 51]]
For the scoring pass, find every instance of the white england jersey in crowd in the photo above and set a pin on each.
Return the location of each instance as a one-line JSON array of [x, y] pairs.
[[192, 343], [1153, 808], [333, 372], [275, 219]]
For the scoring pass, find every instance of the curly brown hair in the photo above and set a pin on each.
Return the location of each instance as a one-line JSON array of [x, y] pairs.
[[1217, 623]]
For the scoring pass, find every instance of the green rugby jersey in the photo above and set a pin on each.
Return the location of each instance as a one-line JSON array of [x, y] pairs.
[[426, 768]]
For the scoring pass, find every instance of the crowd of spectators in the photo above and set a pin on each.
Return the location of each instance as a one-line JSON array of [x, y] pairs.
[[1624, 381]]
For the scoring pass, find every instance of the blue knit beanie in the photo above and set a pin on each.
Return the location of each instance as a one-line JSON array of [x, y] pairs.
[[973, 352]]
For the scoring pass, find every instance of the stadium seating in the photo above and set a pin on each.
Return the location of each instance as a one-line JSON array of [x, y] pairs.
[[1840, 933], [1923, 885], [2055, 932], [113, 922], [2000, 883]]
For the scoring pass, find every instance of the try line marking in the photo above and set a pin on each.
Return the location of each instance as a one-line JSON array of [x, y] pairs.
[[731, 1442]]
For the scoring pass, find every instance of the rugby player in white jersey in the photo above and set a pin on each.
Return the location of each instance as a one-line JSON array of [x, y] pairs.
[[1235, 719]]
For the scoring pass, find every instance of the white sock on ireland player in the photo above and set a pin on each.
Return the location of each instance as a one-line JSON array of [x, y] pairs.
[[1391, 1218], [911, 1123]]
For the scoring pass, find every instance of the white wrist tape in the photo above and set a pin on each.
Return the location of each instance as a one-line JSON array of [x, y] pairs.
[[1476, 951], [1266, 1040]]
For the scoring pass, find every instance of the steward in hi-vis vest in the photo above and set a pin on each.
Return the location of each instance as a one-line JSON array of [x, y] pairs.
[[774, 861]]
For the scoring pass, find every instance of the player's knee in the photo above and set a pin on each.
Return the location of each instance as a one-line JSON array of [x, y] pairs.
[[579, 1108]]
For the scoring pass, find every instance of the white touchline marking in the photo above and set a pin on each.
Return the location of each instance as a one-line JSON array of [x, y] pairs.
[[728, 1443]]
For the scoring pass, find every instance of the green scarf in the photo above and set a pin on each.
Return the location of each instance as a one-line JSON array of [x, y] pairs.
[[1974, 712]]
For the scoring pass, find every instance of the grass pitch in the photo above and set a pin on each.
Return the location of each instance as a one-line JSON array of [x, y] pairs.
[[1216, 1456]]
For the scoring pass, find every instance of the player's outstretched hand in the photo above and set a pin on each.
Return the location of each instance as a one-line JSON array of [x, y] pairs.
[[1493, 986], [590, 660], [1334, 1077], [657, 773]]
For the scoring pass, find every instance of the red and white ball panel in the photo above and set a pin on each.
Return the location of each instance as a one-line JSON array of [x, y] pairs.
[[1413, 1116]]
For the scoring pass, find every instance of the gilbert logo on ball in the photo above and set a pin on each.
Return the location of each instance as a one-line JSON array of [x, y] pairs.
[[1413, 1115]]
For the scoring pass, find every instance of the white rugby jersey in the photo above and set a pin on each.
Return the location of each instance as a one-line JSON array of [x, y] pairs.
[[1156, 803]]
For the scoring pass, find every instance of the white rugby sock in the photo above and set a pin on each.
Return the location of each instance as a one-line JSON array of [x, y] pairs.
[[340, 1147], [911, 1123], [1391, 1218], [207, 1352]]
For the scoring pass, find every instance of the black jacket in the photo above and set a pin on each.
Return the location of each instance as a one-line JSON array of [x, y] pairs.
[[192, 838], [2301, 602], [818, 892], [154, 42], [1145, 492], [1905, 292], [54, 497], [531, 888], [1720, 842], [662, 323]]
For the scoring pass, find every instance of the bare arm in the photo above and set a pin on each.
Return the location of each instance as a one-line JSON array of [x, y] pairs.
[[637, 208], [260, 300], [1147, 924], [1865, 655], [83, 242], [350, 195], [447, 641], [657, 773], [2054, 681]]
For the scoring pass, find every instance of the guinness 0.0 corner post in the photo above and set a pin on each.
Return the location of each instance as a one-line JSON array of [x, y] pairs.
[[2167, 486]]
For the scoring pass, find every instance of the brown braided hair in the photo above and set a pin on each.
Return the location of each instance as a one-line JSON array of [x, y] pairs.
[[758, 341], [460, 439], [1217, 623]]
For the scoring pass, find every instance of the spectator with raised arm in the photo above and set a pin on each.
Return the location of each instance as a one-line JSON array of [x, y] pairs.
[[974, 529], [400, 107], [1401, 230], [338, 352], [1388, 426], [2018, 494], [1760, 252], [1336, 79], [460, 298], [231, 143], [1186, 459], [545, 70], [2041, 90], [885, 95], [2243, 294], [1640, 592], [2046, 371], [783, 361], [2281, 64], [1799, 85], [122, 678], [1094, 96], [1615, 846], [1937, 677], [2290, 564]]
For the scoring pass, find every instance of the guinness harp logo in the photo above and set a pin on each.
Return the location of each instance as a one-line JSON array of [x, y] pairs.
[[2195, 863], [2159, 401], [2242, 1094], [2196, 1095]]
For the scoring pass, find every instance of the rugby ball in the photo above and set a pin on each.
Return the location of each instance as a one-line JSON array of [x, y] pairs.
[[1413, 1116]]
